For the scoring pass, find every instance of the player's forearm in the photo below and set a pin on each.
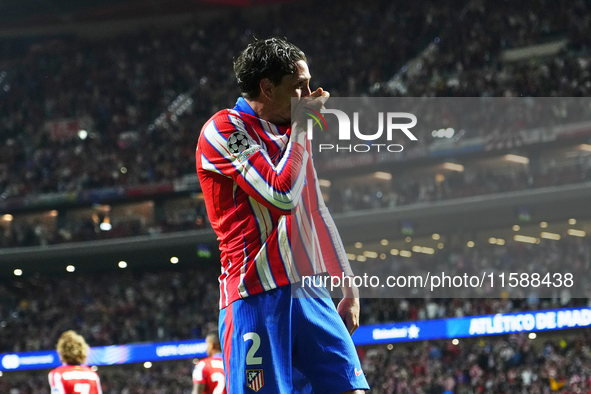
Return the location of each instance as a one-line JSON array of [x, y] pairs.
[[279, 188], [350, 291]]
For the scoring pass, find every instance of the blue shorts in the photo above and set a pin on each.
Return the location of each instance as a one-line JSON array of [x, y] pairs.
[[275, 343]]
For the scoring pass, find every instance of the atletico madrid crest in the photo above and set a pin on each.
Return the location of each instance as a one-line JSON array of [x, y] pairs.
[[254, 379]]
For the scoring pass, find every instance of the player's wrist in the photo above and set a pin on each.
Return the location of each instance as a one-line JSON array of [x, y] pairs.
[[350, 292]]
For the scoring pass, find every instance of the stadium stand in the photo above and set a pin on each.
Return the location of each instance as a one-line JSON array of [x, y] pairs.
[[117, 90], [505, 364], [159, 305]]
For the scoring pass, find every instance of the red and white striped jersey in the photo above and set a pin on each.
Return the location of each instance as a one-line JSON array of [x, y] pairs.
[[74, 379], [210, 373], [263, 200]]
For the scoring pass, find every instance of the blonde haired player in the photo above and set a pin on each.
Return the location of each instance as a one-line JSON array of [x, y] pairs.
[[73, 377]]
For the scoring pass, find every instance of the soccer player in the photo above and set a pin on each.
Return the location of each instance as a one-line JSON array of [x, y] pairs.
[[208, 375], [73, 377], [260, 189]]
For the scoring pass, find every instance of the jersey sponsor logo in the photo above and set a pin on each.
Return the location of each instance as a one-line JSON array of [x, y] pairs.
[[245, 155], [238, 142], [79, 375], [357, 373], [254, 379]]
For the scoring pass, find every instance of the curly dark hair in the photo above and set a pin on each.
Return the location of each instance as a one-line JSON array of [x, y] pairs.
[[272, 58]]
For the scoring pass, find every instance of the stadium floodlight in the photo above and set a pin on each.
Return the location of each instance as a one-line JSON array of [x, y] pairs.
[[370, 254], [553, 236], [361, 258], [82, 134], [517, 159], [470, 244], [427, 250], [576, 233], [405, 253], [18, 272], [572, 222], [147, 364], [516, 227], [453, 167], [436, 237], [122, 264], [526, 239], [384, 242], [543, 225], [500, 241], [416, 249], [70, 268], [383, 175], [351, 256], [532, 335], [455, 341], [492, 241], [358, 245], [394, 252], [174, 260]]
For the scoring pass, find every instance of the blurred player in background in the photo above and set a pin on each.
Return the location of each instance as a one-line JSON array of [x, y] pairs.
[[73, 377], [258, 180], [208, 375]]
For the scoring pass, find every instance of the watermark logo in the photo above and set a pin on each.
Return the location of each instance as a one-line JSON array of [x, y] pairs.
[[387, 121], [317, 117]]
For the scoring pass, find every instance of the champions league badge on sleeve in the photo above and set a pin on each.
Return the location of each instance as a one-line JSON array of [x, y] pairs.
[[238, 142], [242, 146], [254, 379]]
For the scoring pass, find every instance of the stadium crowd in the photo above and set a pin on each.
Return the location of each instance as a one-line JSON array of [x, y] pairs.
[[174, 305], [119, 89], [404, 190], [507, 364], [31, 232], [499, 365], [344, 197], [108, 309]]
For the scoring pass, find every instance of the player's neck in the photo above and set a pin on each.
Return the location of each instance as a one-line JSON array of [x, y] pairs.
[[262, 110]]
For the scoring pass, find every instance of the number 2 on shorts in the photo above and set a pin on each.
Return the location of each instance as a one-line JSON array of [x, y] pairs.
[[256, 343]]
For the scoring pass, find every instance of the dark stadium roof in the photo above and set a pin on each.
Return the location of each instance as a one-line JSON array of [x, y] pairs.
[[34, 12]]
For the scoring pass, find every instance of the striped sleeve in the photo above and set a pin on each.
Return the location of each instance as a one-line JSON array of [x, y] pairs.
[[55, 383], [198, 373], [333, 250], [227, 149]]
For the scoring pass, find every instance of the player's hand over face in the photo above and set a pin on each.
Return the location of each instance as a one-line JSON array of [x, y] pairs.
[[315, 101], [348, 309]]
